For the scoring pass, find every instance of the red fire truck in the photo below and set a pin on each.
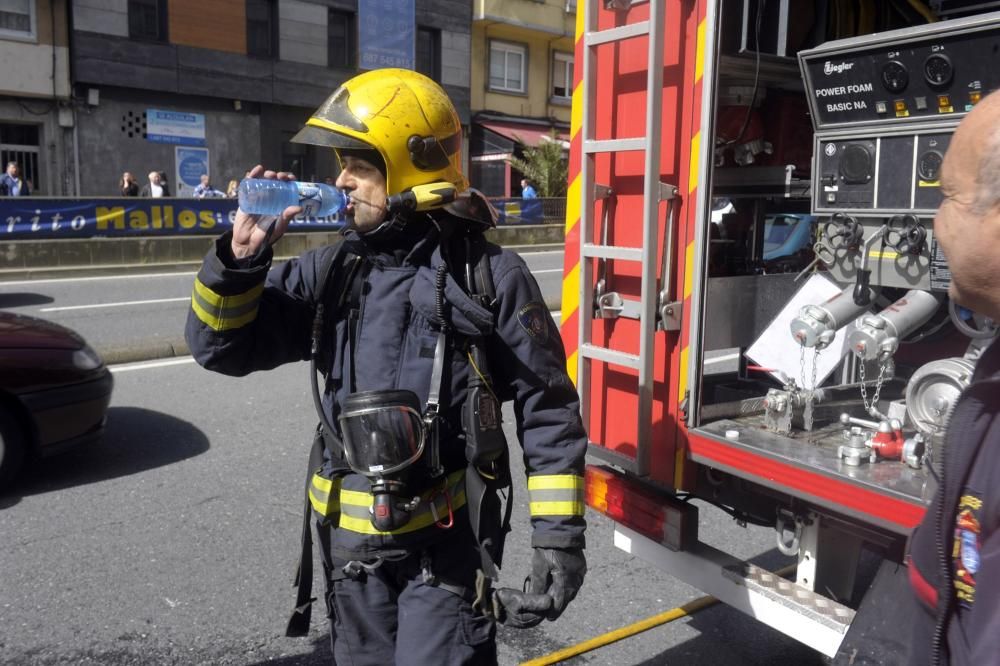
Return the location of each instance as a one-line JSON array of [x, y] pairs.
[[754, 305]]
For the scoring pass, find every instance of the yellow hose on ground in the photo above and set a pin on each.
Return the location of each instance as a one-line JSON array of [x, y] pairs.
[[690, 608]]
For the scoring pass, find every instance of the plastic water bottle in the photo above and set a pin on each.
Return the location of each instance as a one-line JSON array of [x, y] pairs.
[[264, 196]]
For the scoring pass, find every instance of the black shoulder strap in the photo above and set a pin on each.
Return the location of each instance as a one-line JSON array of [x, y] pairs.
[[298, 623], [337, 273], [483, 493], [478, 258]]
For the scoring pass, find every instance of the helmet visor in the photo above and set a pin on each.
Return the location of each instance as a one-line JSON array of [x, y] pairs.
[[383, 431], [318, 136]]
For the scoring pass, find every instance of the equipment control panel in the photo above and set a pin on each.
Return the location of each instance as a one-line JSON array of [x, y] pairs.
[[935, 72], [890, 173]]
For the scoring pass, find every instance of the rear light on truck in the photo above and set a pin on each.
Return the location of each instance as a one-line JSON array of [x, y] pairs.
[[657, 515]]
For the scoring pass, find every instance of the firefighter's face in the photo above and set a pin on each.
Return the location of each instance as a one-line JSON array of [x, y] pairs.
[[967, 224], [365, 185]]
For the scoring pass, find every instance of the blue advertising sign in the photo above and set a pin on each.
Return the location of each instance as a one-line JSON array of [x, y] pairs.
[[23, 218], [191, 164], [178, 127], [386, 33]]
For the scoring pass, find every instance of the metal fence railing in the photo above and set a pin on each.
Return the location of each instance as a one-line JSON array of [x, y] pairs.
[[531, 211]]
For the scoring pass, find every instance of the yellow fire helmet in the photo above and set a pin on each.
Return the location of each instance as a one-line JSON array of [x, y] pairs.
[[405, 116]]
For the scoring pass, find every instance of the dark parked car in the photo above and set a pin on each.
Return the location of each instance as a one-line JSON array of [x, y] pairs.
[[54, 391]]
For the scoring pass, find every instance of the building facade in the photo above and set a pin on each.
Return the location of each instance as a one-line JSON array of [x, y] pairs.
[[522, 84], [237, 78], [36, 117]]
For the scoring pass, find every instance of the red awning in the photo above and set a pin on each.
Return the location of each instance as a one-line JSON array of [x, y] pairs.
[[529, 135]]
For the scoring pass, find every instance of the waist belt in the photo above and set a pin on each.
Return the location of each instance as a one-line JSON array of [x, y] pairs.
[[351, 509]]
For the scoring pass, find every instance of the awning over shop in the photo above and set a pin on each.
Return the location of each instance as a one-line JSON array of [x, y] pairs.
[[529, 135]]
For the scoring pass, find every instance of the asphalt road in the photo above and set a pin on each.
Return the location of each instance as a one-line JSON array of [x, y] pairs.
[[135, 308], [174, 540]]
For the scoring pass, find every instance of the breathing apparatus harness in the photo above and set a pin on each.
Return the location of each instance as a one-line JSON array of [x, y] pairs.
[[385, 432]]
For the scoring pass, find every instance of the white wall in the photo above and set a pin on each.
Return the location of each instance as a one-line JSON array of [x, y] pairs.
[[108, 17], [33, 74]]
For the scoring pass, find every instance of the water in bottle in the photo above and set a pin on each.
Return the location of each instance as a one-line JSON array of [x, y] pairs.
[[265, 196]]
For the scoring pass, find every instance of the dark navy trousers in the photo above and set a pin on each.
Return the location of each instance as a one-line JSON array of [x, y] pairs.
[[395, 615]]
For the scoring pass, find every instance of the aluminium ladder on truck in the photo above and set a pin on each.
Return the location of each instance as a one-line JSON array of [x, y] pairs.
[[660, 457], [594, 299]]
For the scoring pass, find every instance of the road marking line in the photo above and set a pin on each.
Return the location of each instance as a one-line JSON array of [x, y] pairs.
[[145, 365], [115, 305], [93, 278]]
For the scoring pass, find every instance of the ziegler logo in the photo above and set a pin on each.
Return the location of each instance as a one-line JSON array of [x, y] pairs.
[[839, 68]]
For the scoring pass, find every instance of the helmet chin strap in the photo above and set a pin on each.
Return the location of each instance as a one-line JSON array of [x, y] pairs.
[[393, 223]]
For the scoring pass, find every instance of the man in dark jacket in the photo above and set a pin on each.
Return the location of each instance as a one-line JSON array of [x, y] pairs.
[[12, 184], [405, 493], [955, 552], [156, 187]]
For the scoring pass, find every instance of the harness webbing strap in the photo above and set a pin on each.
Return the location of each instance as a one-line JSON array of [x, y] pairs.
[[354, 291], [298, 623], [434, 392]]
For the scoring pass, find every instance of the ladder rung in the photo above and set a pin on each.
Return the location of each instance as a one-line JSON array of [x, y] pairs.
[[616, 34], [610, 356], [612, 252], [614, 145]]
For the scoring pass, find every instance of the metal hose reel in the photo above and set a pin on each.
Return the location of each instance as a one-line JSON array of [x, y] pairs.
[[933, 391]]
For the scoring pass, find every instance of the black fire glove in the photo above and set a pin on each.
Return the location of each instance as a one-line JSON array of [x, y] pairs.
[[521, 610], [556, 577], [559, 573]]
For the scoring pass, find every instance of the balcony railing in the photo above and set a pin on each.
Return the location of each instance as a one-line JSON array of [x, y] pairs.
[[531, 211]]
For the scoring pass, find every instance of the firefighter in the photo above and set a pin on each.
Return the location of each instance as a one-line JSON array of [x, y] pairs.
[[955, 552], [423, 329]]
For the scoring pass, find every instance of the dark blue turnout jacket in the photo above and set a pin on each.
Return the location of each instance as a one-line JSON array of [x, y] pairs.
[[955, 551], [254, 317]]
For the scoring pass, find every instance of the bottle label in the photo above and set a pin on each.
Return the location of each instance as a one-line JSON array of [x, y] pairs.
[[311, 199]]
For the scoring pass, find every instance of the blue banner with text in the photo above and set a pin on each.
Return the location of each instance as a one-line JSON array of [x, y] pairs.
[[26, 217]]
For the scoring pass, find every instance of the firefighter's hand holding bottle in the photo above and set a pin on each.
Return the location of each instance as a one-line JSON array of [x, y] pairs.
[[269, 200], [253, 231]]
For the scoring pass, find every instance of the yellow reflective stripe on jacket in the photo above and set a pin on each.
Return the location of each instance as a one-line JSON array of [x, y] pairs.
[[221, 313], [355, 505], [556, 495], [324, 495]]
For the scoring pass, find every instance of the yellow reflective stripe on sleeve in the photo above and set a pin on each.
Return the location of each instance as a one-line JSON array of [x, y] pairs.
[[556, 495], [555, 482], [221, 313], [556, 508]]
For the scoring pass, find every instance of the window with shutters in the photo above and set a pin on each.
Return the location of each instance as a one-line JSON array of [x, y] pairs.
[[507, 67]]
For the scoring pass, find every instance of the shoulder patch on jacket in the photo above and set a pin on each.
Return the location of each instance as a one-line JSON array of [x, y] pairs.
[[532, 318], [965, 551]]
